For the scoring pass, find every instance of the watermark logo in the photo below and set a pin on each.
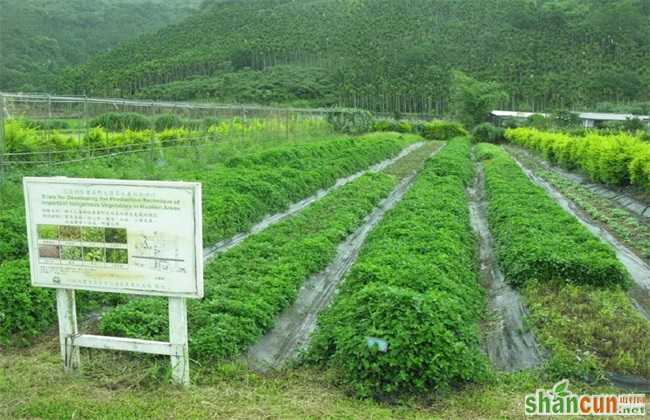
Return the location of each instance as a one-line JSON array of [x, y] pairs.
[[560, 401]]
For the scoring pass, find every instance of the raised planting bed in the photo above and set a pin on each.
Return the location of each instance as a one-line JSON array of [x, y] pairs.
[[235, 197], [534, 237], [248, 286], [405, 319], [620, 221]]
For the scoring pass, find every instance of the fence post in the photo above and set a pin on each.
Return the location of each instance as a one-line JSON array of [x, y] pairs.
[[287, 122], [86, 114], [3, 105]]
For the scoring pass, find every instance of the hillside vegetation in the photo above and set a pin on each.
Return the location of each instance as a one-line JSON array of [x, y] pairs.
[[385, 55], [39, 37]]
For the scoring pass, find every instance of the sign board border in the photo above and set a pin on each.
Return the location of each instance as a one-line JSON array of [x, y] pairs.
[[198, 232]]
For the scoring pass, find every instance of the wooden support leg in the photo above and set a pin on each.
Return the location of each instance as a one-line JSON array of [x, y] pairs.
[[67, 312], [178, 338]]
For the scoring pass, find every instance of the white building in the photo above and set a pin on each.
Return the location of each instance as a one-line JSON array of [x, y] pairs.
[[589, 119]]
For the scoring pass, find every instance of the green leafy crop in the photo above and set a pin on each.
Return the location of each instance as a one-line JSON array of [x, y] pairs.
[[414, 286], [92, 234], [534, 237], [237, 192], [248, 286]]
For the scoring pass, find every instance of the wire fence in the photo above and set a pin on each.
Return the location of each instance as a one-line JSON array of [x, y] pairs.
[[43, 106], [71, 118], [93, 154]]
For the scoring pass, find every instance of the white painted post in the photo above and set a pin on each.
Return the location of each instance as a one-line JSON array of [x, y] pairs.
[[67, 312], [178, 338]]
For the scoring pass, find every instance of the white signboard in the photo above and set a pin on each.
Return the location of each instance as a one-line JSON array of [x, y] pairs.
[[137, 237]]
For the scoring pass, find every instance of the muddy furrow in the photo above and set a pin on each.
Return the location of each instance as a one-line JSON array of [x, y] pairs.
[[508, 344], [226, 244], [637, 207], [638, 269], [294, 325]]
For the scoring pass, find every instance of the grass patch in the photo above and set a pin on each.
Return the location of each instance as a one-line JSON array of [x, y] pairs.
[[588, 330], [128, 386]]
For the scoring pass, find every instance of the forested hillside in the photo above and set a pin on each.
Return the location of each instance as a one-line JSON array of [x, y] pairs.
[[39, 37], [386, 54]]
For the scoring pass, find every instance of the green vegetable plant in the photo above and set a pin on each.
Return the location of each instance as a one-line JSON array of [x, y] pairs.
[[248, 286], [414, 287], [92, 234], [94, 254], [534, 237], [25, 311], [237, 192]]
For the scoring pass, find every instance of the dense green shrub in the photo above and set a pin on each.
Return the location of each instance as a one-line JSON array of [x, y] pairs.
[[13, 240], [566, 119], [25, 311], [389, 124], [614, 159], [248, 286], [534, 237], [442, 130], [415, 287], [119, 121], [630, 125], [511, 123], [350, 120], [165, 121], [488, 133], [539, 122]]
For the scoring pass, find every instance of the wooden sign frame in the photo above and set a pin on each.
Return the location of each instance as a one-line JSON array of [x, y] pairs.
[[75, 204]]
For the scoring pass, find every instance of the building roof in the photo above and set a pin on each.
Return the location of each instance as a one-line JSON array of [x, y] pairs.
[[606, 116], [595, 116], [515, 114]]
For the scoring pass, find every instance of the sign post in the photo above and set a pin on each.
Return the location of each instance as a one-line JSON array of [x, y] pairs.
[[134, 237]]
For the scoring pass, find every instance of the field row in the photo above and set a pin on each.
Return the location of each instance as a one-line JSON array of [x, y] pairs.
[[613, 159], [238, 192], [407, 317], [602, 209], [574, 286], [535, 238]]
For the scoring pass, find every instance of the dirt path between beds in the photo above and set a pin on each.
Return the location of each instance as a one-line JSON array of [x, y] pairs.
[[294, 326], [508, 344], [223, 246]]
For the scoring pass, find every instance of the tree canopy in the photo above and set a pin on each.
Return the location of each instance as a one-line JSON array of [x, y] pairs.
[[385, 55]]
